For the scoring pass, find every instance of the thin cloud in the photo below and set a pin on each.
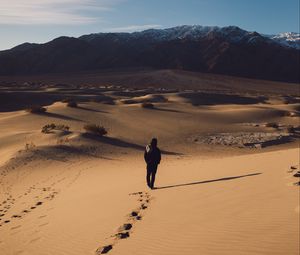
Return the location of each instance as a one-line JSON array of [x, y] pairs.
[[53, 11], [132, 28]]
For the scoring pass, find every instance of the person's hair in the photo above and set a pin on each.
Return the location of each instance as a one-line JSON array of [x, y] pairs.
[[154, 141]]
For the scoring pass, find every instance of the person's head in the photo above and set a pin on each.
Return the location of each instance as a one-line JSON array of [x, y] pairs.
[[154, 142]]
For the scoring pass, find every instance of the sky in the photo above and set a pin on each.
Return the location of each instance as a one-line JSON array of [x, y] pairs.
[[43, 20]]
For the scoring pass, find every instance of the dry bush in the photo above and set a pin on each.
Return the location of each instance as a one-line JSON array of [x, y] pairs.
[[29, 146], [293, 129], [95, 129], [148, 105], [50, 127], [291, 114], [272, 124], [36, 109]]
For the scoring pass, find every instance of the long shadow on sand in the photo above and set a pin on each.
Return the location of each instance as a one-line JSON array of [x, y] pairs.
[[120, 143], [167, 110], [89, 109], [208, 181], [58, 116]]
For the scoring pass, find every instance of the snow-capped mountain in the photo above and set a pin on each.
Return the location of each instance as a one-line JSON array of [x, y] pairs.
[[225, 50], [232, 33], [195, 32], [288, 39]]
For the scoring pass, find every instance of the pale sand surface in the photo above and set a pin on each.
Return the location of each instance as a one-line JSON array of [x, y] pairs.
[[69, 193], [209, 212]]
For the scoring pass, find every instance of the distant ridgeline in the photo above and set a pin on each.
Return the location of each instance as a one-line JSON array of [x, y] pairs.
[[228, 50]]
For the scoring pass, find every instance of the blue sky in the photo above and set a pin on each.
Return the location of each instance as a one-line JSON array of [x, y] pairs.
[[43, 20]]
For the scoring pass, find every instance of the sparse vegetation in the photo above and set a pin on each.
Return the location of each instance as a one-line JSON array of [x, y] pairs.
[[293, 129], [148, 105], [36, 109], [62, 141], [291, 114], [272, 124], [50, 127], [29, 146], [95, 129]]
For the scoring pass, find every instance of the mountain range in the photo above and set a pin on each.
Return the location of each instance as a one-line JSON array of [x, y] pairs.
[[222, 50]]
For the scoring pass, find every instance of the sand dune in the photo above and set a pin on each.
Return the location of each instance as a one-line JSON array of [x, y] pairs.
[[73, 192]]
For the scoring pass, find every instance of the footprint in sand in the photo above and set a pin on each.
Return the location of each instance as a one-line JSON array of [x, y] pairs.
[[143, 207], [16, 227], [122, 235], [134, 214], [16, 216], [34, 240], [297, 174], [104, 249], [44, 224], [126, 228]]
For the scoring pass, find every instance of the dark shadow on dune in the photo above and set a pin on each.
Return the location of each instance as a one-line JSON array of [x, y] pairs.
[[166, 110], [171, 153], [201, 98], [58, 116], [278, 141], [91, 110], [64, 152], [208, 181], [120, 143]]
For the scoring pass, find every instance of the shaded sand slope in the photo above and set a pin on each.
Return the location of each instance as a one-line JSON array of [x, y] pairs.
[[174, 123]]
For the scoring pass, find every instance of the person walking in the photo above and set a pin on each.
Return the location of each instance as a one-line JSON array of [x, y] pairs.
[[152, 157]]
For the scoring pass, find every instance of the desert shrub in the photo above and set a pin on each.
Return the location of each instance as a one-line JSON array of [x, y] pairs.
[[95, 129], [29, 146], [291, 114], [128, 101], [72, 104], [148, 105], [272, 124], [291, 129], [50, 127], [36, 109]]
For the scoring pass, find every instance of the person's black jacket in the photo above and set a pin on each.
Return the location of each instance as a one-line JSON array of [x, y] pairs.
[[152, 155]]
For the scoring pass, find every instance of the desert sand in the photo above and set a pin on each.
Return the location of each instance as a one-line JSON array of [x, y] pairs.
[[226, 183]]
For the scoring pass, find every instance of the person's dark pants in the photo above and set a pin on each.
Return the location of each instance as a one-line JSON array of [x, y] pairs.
[[151, 172]]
